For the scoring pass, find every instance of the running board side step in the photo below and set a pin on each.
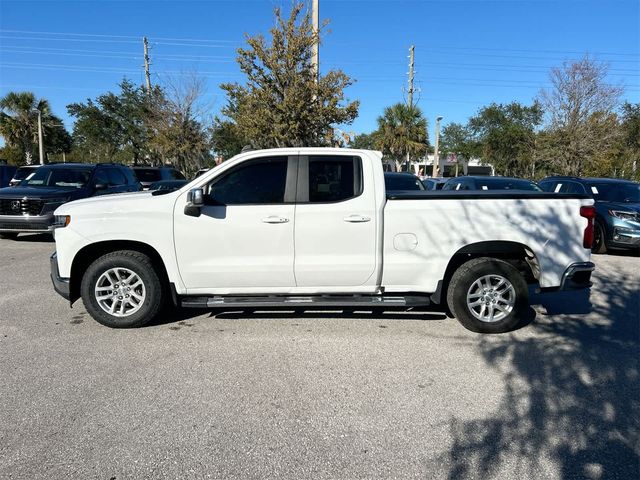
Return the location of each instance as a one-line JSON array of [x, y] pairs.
[[311, 301]]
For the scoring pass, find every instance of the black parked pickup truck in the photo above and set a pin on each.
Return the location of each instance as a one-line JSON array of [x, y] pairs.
[[29, 206]]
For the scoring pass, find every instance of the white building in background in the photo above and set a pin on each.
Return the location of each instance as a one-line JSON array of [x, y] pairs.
[[450, 166]]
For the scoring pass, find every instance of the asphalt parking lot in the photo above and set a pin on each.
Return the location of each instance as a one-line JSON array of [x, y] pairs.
[[301, 395]]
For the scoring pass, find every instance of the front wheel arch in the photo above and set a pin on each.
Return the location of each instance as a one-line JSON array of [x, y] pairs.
[[87, 255]]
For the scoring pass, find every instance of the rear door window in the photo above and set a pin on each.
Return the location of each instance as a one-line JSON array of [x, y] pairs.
[[334, 178]]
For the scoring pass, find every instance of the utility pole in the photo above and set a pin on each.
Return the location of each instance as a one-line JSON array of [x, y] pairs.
[[315, 16], [40, 144], [145, 43], [436, 159], [410, 92]]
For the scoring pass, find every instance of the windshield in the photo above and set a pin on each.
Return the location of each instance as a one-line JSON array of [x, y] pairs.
[[402, 182], [58, 177], [22, 172], [616, 191], [148, 174], [506, 184]]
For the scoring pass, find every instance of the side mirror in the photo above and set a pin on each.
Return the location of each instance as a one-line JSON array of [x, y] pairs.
[[195, 200]]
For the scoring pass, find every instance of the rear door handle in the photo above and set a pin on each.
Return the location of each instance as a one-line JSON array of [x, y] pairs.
[[275, 219], [356, 219]]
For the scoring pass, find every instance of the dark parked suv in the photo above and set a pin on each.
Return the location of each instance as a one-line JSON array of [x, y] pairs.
[[29, 206], [149, 175], [617, 205]]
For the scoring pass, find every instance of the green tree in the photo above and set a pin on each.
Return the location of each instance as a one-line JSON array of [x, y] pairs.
[[365, 141], [115, 123], [402, 131], [506, 136], [19, 127], [459, 140], [226, 138], [281, 103]]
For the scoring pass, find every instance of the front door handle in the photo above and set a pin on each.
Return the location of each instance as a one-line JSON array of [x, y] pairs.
[[356, 219], [275, 219]]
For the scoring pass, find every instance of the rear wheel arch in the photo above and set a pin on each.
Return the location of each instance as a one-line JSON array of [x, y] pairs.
[[87, 255], [517, 254]]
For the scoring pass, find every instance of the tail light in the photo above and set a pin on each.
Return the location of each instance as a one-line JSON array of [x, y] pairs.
[[590, 214]]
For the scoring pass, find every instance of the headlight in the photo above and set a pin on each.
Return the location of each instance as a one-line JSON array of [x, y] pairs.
[[622, 215], [61, 221]]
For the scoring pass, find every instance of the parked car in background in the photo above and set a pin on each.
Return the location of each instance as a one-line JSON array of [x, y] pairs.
[[29, 206], [435, 183], [401, 182], [148, 175], [167, 185], [490, 183], [21, 173], [617, 205], [6, 174]]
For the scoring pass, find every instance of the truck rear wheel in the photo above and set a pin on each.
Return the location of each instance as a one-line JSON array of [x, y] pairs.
[[122, 289], [488, 295]]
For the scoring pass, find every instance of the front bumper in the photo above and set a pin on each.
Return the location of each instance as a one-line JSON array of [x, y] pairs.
[[60, 285], [27, 223], [624, 237], [577, 276]]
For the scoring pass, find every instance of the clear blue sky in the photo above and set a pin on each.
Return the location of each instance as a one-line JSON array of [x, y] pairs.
[[468, 53]]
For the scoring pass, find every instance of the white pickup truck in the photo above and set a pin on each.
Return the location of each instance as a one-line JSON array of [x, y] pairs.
[[314, 227]]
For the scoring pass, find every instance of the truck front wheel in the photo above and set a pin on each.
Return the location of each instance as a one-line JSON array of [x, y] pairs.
[[122, 289], [488, 295]]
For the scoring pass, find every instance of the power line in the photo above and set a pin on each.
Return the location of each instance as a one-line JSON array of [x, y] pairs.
[[199, 40]]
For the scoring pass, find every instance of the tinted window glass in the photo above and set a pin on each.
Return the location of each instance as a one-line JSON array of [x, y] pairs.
[[176, 175], [101, 177], [116, 179], [547, 186], [402, 182], [148, 174], [616, 191], [23, 172], [496, 183], [58, 177], [332, 179], [263, 181], [569, 187]]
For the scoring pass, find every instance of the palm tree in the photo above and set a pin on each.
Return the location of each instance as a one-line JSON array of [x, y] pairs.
[[18, 123], [402, 132]]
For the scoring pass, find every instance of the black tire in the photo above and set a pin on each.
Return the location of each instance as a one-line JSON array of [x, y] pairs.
[[8, 235], [140, 264], [599, 239], [463, 279]]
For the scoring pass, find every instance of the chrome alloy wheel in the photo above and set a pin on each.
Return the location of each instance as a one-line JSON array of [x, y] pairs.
[[491, 298], [120, 292]]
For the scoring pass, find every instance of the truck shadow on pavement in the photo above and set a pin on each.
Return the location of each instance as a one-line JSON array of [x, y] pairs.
[[34, 238], [174, 315], [572, 398]]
